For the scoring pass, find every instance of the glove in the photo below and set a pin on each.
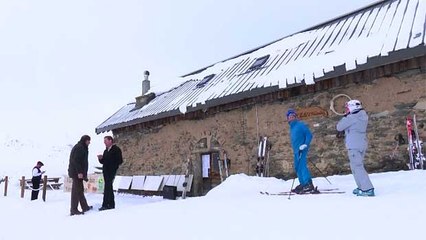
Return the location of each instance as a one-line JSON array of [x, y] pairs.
[[302, 147], [340, 134]]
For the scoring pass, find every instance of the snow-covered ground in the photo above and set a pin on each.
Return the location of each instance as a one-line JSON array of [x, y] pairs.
[[233, 210]]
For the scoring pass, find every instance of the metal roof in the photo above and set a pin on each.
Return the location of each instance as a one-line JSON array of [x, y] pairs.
[[380, 33]]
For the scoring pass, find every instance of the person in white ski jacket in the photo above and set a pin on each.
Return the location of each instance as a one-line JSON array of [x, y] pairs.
[[354, 124]]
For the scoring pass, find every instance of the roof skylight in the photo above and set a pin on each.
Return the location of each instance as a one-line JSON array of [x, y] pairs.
[[259, 62], [205, 80]]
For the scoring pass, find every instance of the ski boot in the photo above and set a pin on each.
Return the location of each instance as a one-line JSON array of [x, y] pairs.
[[307, 188], [355, 191], [297, 189], [366, 193]]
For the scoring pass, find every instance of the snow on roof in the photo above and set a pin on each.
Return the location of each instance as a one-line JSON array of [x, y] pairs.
[[376, 31]]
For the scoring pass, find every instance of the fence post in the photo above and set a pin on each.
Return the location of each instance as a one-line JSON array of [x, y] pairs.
[[44, 188], [6, 181], [22, 186]]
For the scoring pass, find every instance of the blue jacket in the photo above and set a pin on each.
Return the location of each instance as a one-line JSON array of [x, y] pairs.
[[299, 134]]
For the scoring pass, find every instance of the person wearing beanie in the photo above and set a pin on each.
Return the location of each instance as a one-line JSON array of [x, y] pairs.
[[300, 137]]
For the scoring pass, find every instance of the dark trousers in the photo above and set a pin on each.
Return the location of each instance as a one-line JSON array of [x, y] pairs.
[[36, 185], [108, 201], [77, 196]]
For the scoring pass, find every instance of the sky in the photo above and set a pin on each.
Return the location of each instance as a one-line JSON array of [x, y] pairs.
[[231, 211], [66, 66]]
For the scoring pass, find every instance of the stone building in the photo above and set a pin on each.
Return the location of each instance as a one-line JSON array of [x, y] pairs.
[[376, 54]]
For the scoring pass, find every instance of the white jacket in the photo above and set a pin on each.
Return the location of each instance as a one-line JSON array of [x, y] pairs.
[[355, 127]]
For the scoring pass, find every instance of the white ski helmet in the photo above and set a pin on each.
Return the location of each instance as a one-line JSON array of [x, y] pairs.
[[352, 106]]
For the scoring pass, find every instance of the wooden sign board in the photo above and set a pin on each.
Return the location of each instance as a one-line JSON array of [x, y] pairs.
[[310, 112]]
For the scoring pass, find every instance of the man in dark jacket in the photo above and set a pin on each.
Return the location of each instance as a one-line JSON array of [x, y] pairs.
[[36, 180], [111, 160], [77, 170]]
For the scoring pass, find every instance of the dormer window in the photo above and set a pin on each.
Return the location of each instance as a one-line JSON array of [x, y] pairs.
[[259, 63], [205, 80]]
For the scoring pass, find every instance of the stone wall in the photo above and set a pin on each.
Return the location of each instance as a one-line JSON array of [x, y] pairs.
[[165, 148]]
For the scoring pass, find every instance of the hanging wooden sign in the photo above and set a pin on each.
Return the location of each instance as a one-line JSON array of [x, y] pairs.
[[310, 112]]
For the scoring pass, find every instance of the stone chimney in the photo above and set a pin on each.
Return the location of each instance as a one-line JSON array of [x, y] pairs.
[[144, 98]]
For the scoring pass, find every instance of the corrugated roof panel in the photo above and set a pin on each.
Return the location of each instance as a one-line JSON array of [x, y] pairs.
[[331, 35], [239, 68], [223, 80], [361, 24], [322, 40], [394, 29], [372, 18], [404, 33], [376, 31], [368, 22], [193, 91], [243, 82], [235, 80], [418, 30], [385, 28], [351, 28]]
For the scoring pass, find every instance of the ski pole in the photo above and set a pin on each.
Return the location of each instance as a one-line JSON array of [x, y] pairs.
[[320, 171], [296, 168]]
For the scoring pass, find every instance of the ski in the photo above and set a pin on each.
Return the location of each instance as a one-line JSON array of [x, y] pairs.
[[308, 193], [418, 143], [316, 191], [414, 144], [260, 157], [262, 165]]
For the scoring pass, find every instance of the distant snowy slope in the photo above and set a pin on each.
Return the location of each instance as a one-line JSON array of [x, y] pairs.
[[19, 156]]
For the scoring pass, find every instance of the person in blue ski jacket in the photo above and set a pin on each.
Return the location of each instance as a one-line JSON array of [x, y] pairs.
[[300, 137], [354, 124]]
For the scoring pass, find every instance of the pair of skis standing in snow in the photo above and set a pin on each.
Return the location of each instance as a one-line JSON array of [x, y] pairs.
[[262, 166], [417, 158], [354, 127]]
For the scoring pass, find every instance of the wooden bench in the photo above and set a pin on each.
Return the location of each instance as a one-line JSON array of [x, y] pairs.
[[52, 183]]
